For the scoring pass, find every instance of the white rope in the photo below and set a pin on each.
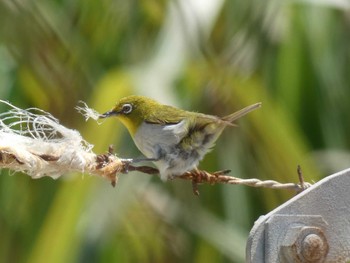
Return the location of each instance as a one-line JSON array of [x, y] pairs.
[[33, 138]]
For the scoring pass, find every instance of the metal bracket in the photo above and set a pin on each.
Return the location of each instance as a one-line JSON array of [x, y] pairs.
[[314, 226]]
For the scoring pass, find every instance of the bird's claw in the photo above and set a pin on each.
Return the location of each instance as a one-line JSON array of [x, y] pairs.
[[106, 164], [114, 181], [126, 165], [195, 187], [200, 176]]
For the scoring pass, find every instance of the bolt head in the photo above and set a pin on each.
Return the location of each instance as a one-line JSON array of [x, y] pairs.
[[304, 244], [313, 247]]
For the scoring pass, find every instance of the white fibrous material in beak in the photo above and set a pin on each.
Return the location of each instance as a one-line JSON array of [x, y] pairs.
[[87, 112]]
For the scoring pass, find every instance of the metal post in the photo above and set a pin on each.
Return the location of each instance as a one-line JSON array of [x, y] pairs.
[[314, 226]]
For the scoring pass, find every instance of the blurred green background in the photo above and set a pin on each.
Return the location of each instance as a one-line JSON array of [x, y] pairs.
[[211, 56]]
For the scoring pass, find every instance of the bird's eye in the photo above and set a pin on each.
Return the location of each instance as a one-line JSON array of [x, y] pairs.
[[127, 108]]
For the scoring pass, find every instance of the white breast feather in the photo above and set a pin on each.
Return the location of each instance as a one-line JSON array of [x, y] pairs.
[[148, 136]]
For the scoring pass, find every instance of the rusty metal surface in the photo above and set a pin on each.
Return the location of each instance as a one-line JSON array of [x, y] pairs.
[[314, 226]]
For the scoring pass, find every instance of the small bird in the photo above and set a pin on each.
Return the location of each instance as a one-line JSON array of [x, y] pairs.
[[174, 139]]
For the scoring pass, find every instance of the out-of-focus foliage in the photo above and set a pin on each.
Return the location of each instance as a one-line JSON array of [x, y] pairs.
[[217, 57]]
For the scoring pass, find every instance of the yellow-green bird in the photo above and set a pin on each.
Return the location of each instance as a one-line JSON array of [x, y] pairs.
[[175, 139]]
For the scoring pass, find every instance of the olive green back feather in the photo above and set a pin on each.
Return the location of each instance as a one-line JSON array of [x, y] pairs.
[[150, 111]]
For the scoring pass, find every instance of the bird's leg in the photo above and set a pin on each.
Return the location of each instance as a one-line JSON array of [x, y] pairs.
[[138, 160], [127, 163]]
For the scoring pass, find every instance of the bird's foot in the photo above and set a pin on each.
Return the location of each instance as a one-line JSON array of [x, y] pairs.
[[126, 165], [201, 176], [138, 160], [108, 166]]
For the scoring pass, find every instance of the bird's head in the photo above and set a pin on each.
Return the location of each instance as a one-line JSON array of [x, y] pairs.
[[132, 111]]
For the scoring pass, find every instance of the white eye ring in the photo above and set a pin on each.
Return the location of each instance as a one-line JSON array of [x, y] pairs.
[[127, 108]]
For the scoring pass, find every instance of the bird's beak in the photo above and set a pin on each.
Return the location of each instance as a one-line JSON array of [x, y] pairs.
[[108, 114]]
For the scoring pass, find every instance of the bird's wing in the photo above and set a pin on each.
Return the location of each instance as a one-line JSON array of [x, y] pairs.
[[166, 115]]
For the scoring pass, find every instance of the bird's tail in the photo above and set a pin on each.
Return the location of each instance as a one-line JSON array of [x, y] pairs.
[[238, 114]]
